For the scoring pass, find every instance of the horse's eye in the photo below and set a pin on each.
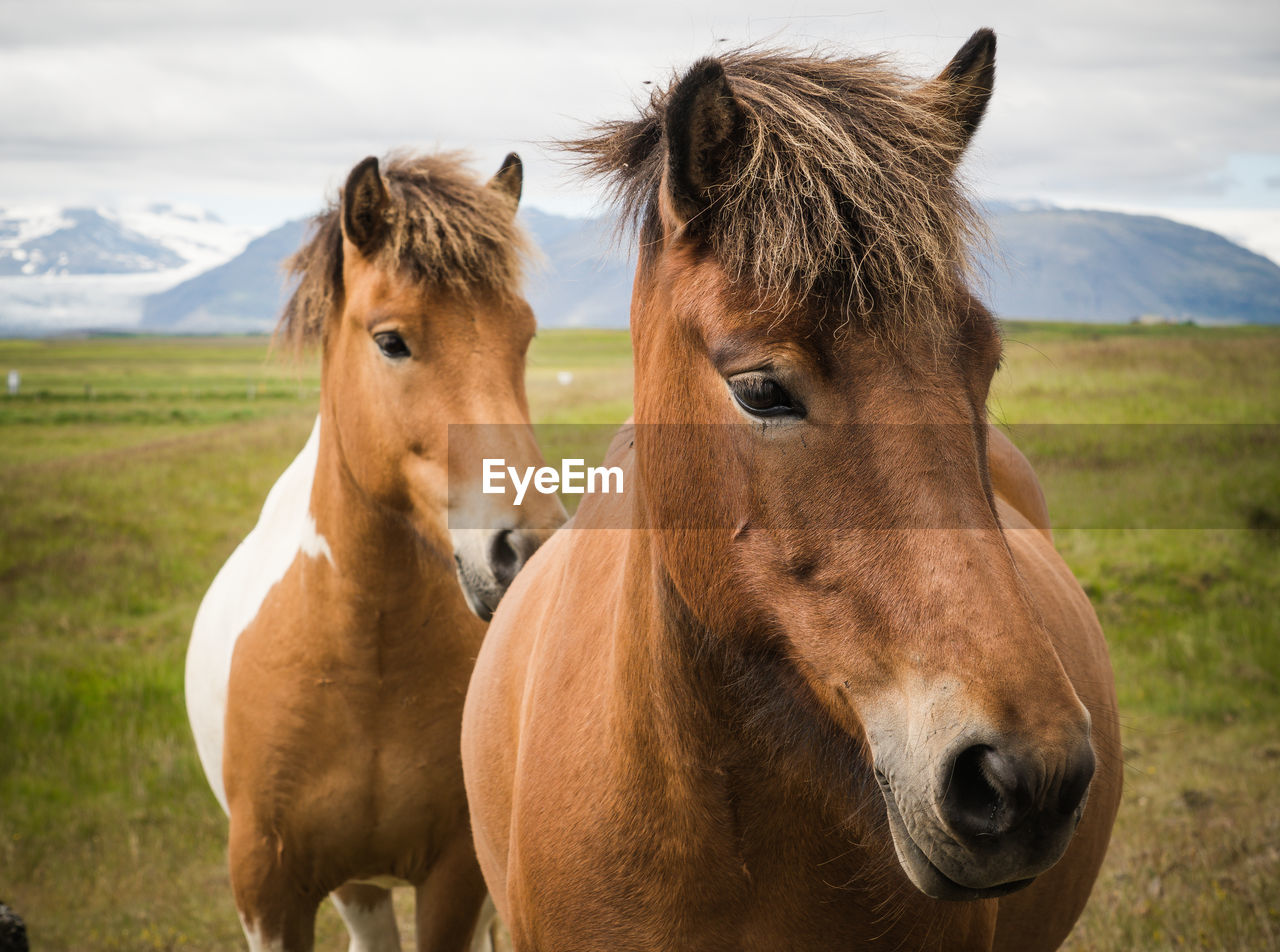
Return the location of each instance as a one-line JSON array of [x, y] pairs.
[[391, 344], [762, 396]]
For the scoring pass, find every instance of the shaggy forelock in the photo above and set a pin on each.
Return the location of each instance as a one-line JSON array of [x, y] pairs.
[[844, 186], [447, 230]]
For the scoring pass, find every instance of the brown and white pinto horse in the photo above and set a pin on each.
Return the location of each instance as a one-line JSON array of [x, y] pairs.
[[814, 682], [329, 660]]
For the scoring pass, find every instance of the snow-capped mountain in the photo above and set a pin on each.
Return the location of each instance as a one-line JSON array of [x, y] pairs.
[[83, 241], [198, 235], [71, 241], [69, 268], [168, 270]]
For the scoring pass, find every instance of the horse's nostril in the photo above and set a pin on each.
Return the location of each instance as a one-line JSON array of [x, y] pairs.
[[1075, 782], [987, 794], [504, 560], [991, 792]]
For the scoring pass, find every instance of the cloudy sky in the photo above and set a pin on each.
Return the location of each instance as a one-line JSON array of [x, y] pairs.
[[255, 108]]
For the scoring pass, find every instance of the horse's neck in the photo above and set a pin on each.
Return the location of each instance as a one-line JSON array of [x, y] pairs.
[[667, 696], [372, 554], [737, 720]]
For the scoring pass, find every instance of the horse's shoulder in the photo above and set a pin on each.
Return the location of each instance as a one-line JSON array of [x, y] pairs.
[[235, 598], [1014, 481]]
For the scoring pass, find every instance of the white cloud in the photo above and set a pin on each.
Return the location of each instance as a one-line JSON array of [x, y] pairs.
[[258, 105]]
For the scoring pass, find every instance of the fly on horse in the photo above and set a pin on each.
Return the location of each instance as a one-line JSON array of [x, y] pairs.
[[820, 679], [329, 660]]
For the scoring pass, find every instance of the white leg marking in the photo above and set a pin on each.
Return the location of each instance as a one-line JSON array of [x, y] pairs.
[[482, 938], [256, 941], [372, 928]]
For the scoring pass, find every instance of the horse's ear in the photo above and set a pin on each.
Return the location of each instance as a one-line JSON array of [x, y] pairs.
[[963, 88], [509, 180], [364, 205], [703, 124]]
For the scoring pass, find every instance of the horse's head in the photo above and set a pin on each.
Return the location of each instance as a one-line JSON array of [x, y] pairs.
[[414, 282], [801, 301]]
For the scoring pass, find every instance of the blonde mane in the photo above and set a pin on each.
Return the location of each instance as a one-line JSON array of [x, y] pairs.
[[447, 230], [843, 186]]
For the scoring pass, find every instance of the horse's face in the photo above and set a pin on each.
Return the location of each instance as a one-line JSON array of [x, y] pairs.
[[407, 360], [849, 527]]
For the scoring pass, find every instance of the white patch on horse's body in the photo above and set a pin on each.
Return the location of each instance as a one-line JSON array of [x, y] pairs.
[[313, 543], [285, 528]]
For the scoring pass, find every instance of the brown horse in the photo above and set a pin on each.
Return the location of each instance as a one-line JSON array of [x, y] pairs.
[[813, 682], [329, 659]]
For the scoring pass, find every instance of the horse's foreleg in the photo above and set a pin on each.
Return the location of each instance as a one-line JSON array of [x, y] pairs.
[[482, 940], [370, 917], [449, 901], [276, 914]]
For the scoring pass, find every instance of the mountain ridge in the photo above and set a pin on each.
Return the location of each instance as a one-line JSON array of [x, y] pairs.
[[1090, 265], [1047, 263], [83, 240]]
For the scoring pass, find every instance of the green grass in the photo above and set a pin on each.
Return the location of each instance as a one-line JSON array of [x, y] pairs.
[[1191, 615], [130, 468], [599, 363]]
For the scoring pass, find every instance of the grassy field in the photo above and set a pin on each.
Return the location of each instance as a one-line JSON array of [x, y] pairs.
[[129, 469]]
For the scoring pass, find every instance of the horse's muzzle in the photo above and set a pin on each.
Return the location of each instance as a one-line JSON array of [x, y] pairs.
[[997, 814], [488, 562]]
